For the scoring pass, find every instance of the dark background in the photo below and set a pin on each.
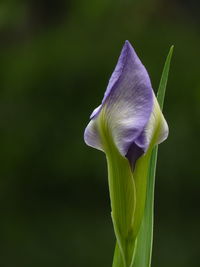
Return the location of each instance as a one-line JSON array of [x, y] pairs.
[[55, 62]]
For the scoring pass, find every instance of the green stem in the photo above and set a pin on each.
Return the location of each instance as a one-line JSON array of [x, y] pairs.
[[122, 195]]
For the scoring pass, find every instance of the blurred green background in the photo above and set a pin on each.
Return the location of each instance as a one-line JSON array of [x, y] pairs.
[[55, 62]]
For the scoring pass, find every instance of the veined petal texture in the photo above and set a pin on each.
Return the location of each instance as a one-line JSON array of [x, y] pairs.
[[128, 109]]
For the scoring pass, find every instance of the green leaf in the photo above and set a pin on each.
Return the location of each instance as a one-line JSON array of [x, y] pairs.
[[164, 78], [145, 237]]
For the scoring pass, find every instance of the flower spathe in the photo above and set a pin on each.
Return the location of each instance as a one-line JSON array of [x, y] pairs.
[[131, 111]]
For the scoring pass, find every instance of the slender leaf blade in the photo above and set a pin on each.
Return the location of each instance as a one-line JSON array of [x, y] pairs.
[[164, 79], [145, 236]]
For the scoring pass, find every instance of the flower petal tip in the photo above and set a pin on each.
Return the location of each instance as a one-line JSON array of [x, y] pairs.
[[130, 109]]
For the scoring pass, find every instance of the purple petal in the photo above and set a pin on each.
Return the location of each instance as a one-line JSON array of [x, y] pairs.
[[134, 152], [128, 103]]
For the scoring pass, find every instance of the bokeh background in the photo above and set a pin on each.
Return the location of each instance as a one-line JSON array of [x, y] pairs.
[[55, 62]]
